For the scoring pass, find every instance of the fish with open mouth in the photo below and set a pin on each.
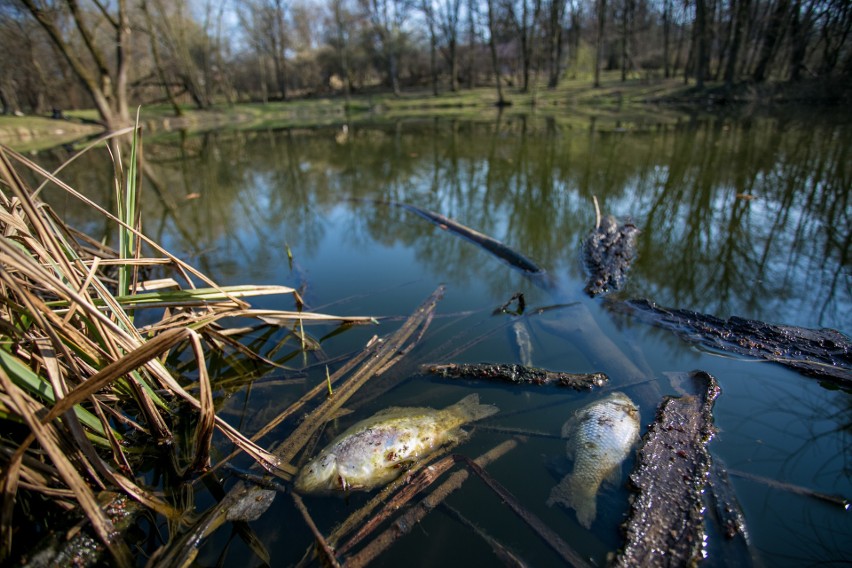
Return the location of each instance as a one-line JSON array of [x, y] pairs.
[[600, 436], [378, 449]]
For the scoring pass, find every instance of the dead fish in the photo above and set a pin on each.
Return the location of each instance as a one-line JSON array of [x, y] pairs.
[[378, 449], [600, 436]]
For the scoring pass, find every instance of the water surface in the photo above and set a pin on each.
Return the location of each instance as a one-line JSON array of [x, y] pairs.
[[747, 217]]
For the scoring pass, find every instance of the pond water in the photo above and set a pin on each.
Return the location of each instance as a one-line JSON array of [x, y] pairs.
[[747, 217]]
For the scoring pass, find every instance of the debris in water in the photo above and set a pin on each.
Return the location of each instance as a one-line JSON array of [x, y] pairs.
[[600, 436], [517, 374], [666, 524], [375, 451]]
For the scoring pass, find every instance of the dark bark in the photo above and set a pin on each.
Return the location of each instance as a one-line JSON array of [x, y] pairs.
[[608, 252], [702, 53], [108, 89], [669, 480], [740, 27], [517, 374], [821, 353], [556, 15], [771, 39]]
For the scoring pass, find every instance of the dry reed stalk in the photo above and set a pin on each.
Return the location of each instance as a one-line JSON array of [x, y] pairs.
[[74, 368]]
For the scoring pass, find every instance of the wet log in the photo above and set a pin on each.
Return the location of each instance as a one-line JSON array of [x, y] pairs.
[[665, 526], [608, 252], [821, 353], [517, 374]]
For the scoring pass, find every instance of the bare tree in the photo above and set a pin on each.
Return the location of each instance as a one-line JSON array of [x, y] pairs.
[[449, 17], [599, 40], [105, 79], [264, 23], [553, 39], [428, 10], [492, 44], [387, 18]]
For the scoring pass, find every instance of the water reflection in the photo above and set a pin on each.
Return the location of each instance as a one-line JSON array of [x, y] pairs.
[[740, 217]]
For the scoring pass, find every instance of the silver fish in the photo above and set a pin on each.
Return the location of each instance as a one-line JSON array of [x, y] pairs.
[[600, 436], [378, 449]]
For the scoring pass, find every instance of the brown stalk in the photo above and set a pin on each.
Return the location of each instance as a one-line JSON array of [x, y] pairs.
[[101, 524], [415, 514], [204, 431], [328, 554]]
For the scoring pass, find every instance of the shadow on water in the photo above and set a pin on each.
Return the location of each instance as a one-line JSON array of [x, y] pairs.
[[745, 217]]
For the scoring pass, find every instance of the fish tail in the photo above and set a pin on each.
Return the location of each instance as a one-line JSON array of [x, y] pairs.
[[573, 494], [469, 409]]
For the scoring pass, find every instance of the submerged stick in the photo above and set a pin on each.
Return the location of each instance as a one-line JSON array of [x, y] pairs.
[[821, 353], [328, 555], [404, 523], [506, 556], [837, 500], [608, 251], [492, 245], [516, 374]]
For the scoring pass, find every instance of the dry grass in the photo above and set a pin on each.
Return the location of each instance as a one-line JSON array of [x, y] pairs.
[[78, 378]]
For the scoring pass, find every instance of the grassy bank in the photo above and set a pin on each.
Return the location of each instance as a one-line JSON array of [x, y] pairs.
[[635, 99]]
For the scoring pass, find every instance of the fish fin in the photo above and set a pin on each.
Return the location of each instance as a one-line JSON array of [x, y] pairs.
[[573, 495], [613, 478], [569, 426], [469, 409]]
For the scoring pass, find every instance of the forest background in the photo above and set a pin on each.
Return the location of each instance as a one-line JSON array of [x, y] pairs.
[[112, 55]]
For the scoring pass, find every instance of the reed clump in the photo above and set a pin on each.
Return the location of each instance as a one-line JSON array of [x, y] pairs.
[[85, 391]]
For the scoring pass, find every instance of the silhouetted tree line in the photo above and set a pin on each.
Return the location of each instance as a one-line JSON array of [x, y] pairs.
[[112, 54]]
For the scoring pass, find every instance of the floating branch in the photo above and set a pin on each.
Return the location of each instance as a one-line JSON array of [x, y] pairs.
[[517, 374], [510, 256], [821, 353], [608, 252], [669, 480]]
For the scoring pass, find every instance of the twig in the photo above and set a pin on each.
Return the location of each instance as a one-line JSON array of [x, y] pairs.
[[838, 500], [329, 559], [506, 556], [411, 517]]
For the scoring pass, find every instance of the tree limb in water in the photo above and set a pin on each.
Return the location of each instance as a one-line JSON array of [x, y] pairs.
[[669, 479], [822, 353], [492, 245], [516, 374]]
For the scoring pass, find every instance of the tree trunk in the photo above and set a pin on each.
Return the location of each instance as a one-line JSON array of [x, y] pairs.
[[554, 42], [702, 55], [599, 41], [158, 63], [108, 92], [771, 40], [471, 51], [280, 59], [492, 44], [740, 27], [454, 65], [667, 25]]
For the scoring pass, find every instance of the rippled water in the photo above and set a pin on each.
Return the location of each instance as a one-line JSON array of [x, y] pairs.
[[746, 217]]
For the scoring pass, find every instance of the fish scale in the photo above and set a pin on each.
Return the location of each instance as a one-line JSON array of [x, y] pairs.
[[377, 450], [600, 437]]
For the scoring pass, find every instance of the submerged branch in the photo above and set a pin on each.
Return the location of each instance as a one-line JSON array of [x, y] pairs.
[[510, 256], [516, 374]]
